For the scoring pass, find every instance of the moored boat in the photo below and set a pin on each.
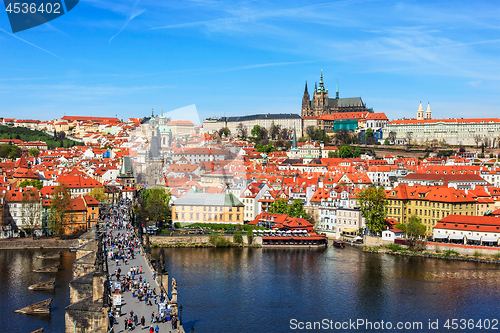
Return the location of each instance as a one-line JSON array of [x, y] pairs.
[[338, 243]]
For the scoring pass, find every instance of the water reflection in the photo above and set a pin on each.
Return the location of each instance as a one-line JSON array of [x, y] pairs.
[[246, 290], [16, 275]]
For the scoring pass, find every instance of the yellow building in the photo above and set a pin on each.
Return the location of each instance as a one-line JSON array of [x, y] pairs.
[[430, 203], [224, 208]]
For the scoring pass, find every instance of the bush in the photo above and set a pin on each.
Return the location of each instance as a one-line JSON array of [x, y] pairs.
[[447, 253], [393, 247], [212, 239], [250, 237], [237, 237], [221, 242], [477, 254], [496, 255]]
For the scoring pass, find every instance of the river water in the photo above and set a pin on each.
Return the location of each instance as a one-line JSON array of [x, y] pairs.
[[16, 276], [265, 290]]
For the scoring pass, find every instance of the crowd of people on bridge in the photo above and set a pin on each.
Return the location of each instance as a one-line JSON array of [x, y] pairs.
[[122, 246]]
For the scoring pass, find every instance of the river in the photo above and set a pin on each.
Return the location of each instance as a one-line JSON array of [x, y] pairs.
[[264, 290], [16, 276], [274, 290]]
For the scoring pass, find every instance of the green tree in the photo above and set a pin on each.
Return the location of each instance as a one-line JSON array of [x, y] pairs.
[[372, 202], [256, 132], [59, 207], [369, 139], [345, 151], [237, 237], [356, 152], [415, 228], [326, 139], [331, 154], [296, 209], [99, 194], [224, 131], [156, 204], [31, 210], [386, 142], [34, 183], [279, 206], [34, 152], [401, 226], [250, 237]]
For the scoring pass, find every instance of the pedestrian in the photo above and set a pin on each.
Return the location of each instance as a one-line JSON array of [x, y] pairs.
[[143, 322], [152, 316], [157, 329], [126, 322], [140, 270]]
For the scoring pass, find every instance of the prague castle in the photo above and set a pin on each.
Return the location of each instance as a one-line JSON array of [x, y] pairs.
[[321, 104]]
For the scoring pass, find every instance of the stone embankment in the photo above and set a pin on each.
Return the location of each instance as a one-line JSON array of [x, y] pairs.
[[191, 240], [28, 243]]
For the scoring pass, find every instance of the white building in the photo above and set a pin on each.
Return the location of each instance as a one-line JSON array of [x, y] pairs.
[[454, 131], [287, 120]]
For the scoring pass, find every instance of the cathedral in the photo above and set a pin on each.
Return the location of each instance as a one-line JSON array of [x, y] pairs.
[[321, 104]]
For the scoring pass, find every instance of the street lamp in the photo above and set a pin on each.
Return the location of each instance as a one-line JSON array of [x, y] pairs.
[[180, 314]]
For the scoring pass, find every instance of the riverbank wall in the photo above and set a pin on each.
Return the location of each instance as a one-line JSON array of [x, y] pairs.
[[28, 243], [195, 239], [466, 250]]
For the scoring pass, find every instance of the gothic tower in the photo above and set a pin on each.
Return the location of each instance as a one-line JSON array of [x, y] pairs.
[[306, 103], [320, 98]]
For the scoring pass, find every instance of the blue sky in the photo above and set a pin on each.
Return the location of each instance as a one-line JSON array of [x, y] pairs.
[[109, 57]]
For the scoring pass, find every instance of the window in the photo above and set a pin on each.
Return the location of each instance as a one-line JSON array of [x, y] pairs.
[[238, 209], [230, 216], [191, 216], [176, 216]]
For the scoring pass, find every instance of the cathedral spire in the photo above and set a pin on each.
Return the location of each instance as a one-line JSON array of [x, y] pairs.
[[152, 113], [305, 91], [321, 87], [315, 87], [337, 94]]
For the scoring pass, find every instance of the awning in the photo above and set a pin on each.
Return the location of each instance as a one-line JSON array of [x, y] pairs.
[[349, 230], [456, 236], [474, 238], [490, 239], [440, 236]]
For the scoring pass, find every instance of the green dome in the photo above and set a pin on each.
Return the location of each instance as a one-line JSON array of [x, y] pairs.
[[164, 129]]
